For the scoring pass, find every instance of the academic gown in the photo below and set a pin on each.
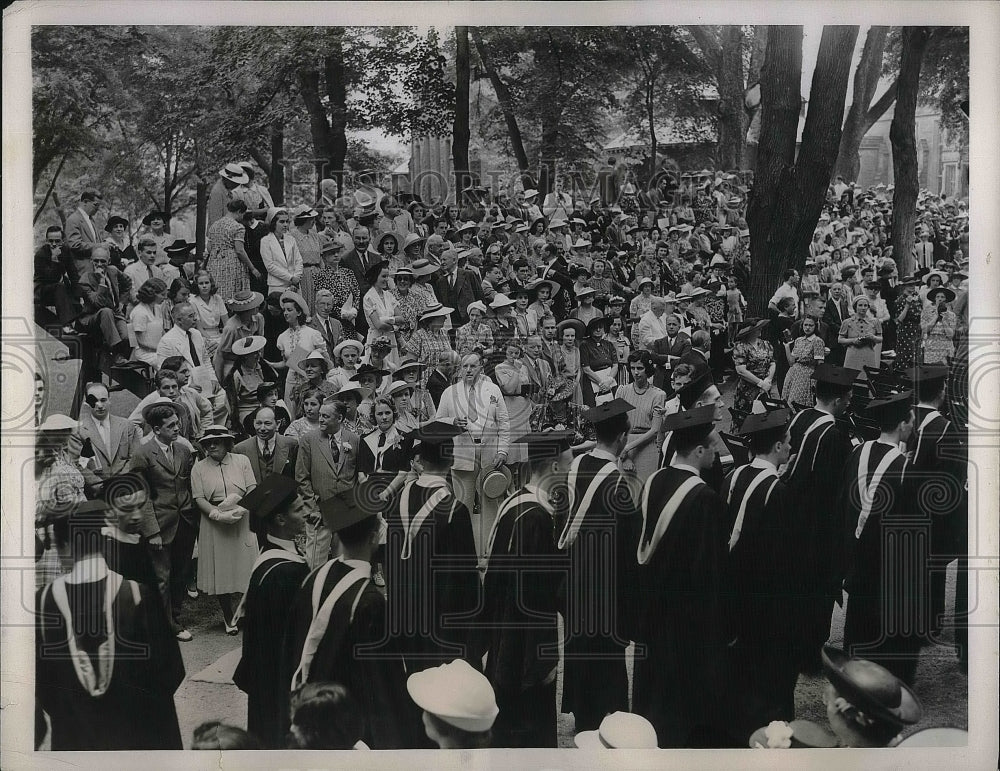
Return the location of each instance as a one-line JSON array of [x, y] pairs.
[[599, 587], [432, 586], [938, 469], [885, 579], [714, 476], [678, 683], [520, 624], [266, 607], [129, 560], [813, 474], [136, 712], [352, 652], [760, 593]]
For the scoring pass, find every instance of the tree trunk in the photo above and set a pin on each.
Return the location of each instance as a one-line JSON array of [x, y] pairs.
[[167, 188], [51, 187], [902, 134], [276, 175], [59, 209], [319, 124], [200, 218], [788, 194], [650, 83], [506, 106], [460, 132], [856, 123], [732, 118], [336, 92]]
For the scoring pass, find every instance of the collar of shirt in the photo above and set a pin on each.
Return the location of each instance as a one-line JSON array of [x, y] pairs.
[[543, 498], [88, 570], [283, 543], [264, 446], [431, 480], [120, 535], [166, 448], [763, 463], [602, 454], [686, 467]]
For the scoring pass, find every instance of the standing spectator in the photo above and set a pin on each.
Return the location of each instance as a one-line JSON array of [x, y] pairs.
[[309, 244], [296, 342], [112, 439], [280, 253], [755, 366], [909, 335], [804, 354], [862, 334], [938, 322], [341, 282], [212, 313], [229, 187], [787, 289], [227, 260], [81, 233], [269, 452], [456, 287]]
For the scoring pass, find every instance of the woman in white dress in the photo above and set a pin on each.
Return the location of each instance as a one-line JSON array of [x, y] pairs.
[[298, 336], [147, 321], [512, 376], [212, 313], [227, 548], [380, 308]]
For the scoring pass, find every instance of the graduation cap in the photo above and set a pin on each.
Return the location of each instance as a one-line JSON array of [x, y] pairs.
[[436, 433], [926, 372], [765, 427], [890, 409], [266, 499], [607, 411], [546, 444], [692, 391], [693, 424], [834, 375], [343, 511]]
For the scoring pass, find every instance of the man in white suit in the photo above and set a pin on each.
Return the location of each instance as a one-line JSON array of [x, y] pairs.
[[186, 340], [476, 404], [112, 438]]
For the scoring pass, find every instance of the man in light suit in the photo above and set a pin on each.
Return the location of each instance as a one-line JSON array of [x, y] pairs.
[[667, 350], [186, 340], [114, 439], [476, 404], [456, 287], [169, 522], [269, 452], [82, 234], [103, 290], [326, 467]]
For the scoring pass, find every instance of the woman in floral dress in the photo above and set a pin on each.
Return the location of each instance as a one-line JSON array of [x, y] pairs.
[[227, 256], [408, 304], [908, 309], [342, 283], [754, 361], [805, 353], [309, 243], [938, 323]]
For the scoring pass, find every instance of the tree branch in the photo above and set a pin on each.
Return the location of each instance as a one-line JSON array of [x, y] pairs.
[[878, 109], [708, 42], [52, 185]]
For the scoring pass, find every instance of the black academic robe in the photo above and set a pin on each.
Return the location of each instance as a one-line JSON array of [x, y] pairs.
[[433, 587], [680, 663], [598, 582], [760, 594], [129, 560], [353, 653], [714, 476], [137, 710], [267, 605], [519, 622], [938, 466], [885, 581], [813, 475]]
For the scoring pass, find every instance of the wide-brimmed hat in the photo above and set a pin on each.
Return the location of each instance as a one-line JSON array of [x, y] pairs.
[[367, 199], [558, 222], [411, 239], [217, 432], [397, 387], [163, 401], [949, 295], [619, 731], [751, 327], [57, 422], [247, 345], [585, 292], [553, 286], [348, 343], [360, 391], [156, 214], [273, 212], [457, 694], [939, 273], [406, 273], [113, 220], [530, 193], [579, 326], [598, 321], [245, 300], [500, 300], [303, 212], [178, 248], [470, 225], [494, 482], [383, 237], [407, 363], [434, 310], [870, 688], [234, 173], [332, 245], [424, 267], [367, 369], [315, 356], [299, 300], [644, 280]]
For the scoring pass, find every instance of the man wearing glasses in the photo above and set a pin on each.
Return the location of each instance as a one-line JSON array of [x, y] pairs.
[[52, 270], [104, 290]]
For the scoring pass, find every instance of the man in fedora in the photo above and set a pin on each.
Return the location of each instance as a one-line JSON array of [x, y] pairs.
[[179, 261], [81, 233], [170, 522]]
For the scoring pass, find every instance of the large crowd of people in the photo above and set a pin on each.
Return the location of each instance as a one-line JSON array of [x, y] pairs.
[[406, 437]]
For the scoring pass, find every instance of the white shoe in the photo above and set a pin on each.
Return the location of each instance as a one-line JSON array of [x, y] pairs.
[[184, 635]]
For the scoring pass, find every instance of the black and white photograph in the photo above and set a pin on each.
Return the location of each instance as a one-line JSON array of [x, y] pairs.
[[572, 385]]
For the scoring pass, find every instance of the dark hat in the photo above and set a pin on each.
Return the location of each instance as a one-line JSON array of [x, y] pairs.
[[344, 511], [890, 408], [598, 321], [437, 432], [268, 498], [836, 376], [925, 373], [156, 214], [607, 411], [368, 369], [692, 391], [848, 270], [546, 444], [333, 245], [870, 688], [949, 295], [763, 422], [113, 220], [179, 246], [692, 424], [163, 401], [752, 325]]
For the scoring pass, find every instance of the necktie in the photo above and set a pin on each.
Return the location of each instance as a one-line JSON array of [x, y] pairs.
[[170, 455], [473, 414], [102, 427], [381, 440], [194, 353], [268, 452], [335, 450]]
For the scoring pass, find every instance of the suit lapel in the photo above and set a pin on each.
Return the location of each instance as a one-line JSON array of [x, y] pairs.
[[280, 454], [115, 431], [324, 447], [96, 439]]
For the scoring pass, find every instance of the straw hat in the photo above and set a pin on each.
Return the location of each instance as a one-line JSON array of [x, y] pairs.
[[247, 345], [234, 173]]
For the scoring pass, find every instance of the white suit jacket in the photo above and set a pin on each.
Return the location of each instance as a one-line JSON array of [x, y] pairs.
[[651, 328], [491, 429], [281, 267]]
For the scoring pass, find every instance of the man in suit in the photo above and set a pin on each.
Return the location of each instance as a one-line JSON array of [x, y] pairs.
[[269, 452], [103, 290], [550, 344], [186, 340], [441, 376], [53, 271], [323, 321], [667, 350], [456, 287], [814, 309], [697, 354], [82, 234], [360, 260], [170, 522], [114, 440], [837, 311], [326, 467]]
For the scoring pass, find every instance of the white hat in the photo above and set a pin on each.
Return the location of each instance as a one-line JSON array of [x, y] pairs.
[[397, 386], [521, 228], [619, 731], [470, 225], [272, 213], [58, 422], [234, 172], [434, 310], [457, 694], [478, 304], [717, 259], [500, 300], [530, 193], [581, 243], [558, 222], [348, 343], [250, 344]]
